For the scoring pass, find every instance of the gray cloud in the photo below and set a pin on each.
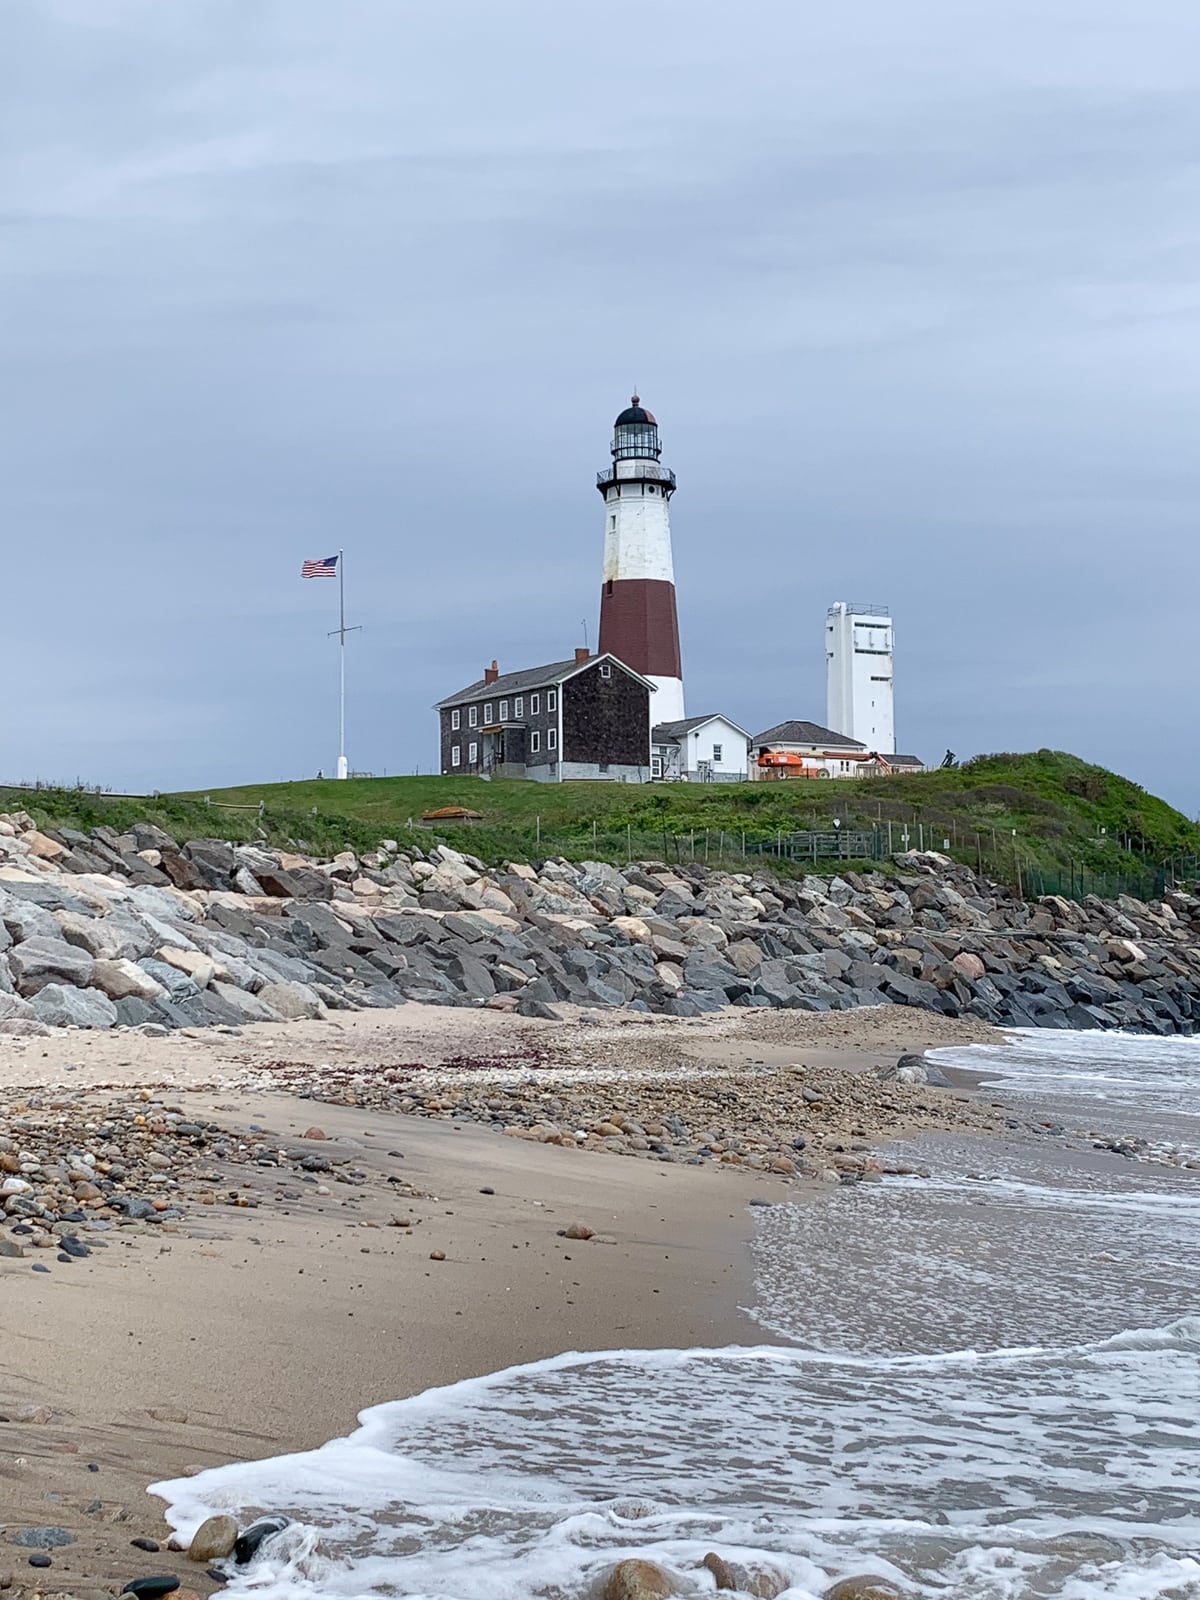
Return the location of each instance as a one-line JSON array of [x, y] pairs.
[[911, 289]]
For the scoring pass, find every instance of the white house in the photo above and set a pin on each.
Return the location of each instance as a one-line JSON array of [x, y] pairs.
[[799, 749], [709, 749]]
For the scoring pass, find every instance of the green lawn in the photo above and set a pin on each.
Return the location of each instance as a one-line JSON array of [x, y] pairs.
[[1067, 815]]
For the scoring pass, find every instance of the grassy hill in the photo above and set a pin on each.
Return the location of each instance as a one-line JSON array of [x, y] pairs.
[[1046, 819]]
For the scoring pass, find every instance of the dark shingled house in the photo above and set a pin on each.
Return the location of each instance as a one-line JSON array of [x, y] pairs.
[[585, 718]]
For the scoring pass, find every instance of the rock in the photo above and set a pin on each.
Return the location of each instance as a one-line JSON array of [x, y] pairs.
[[578, 1230], [38, 961], [40, 1560], [637, 1580], [61, 1005], [151, 1546], [291, 1001], [44, 848], [256, 1535], [437, 1255], [868, 1587], [10, 1249], [313, 1133], [213, 1539], [151, 1588], [201, 969], [47, 1538], [167, 1414], [970, 965], [721, 1570], [123, 980]]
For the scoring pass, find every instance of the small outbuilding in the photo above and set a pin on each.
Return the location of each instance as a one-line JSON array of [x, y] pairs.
[[708, 749]]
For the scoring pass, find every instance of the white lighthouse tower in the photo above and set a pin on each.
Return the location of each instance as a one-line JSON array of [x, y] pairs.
[[859, 644], [638, 620]]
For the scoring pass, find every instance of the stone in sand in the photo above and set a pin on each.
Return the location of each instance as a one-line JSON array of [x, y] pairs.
[[213, 1539], [49, 1538], [151, 1588], [578, 1230], [637, 1580]]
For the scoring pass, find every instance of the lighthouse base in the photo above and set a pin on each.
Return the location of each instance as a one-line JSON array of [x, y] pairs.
[[666, 703]]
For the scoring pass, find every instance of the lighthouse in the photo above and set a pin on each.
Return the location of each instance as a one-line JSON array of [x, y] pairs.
[[638, 621]]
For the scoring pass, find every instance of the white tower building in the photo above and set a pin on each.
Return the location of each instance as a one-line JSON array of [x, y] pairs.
[[858, 659], [638, 619]]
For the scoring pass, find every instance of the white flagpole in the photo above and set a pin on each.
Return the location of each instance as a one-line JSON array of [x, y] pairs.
[[343, 767]]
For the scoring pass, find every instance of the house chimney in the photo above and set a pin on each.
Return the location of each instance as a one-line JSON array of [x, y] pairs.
[[490, 674], [582, 654]]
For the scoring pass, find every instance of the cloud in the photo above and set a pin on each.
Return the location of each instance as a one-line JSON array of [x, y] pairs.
[[911, 290]]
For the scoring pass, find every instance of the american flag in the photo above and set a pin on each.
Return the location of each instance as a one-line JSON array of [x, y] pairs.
[[325, 568]]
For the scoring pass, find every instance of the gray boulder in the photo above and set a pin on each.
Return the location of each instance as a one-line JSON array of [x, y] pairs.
[[62, 1005], [289, 1001], [39, 961]]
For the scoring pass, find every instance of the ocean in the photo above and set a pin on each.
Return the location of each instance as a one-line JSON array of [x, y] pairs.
[[991, 1388]]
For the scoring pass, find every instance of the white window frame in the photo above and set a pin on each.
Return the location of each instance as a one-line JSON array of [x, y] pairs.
[[456, 755], [717, 752], [455, 720], [487, 714], [535, 742], [472, 716], [473, 752], [551, 700], [504, 711], [551, 738], [656, 766], [606, 669], [535, 704], [519, 707]]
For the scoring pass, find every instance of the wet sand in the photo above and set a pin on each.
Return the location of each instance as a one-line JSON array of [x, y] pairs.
[[243, 1332]]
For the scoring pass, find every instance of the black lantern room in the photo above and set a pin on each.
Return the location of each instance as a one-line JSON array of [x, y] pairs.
[[635, 434]]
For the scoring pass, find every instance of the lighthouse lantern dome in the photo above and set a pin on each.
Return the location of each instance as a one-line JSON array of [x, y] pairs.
[[635, 434]]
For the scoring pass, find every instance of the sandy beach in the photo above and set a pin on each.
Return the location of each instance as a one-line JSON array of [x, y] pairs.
[[282, 1302]]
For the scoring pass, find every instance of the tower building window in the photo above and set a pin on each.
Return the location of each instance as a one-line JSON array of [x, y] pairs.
[[456, 720], [535, 741], [472, 752], [535, 704], [551, 700], [472, 716], [456, 755], [519, 706], [551, 738]]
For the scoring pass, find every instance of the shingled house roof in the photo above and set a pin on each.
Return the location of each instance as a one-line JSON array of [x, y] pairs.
[[806, 733], [532, 678]]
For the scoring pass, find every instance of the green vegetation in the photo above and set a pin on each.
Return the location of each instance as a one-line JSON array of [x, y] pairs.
[[1045, 820]]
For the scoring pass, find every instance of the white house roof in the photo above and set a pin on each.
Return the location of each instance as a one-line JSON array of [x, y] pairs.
[[672, 732]]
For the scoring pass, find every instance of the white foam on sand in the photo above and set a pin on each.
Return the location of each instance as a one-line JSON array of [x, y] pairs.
[[1027, 1472]]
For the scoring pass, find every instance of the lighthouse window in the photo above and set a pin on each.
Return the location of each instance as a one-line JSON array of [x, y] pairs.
[[612, 521]]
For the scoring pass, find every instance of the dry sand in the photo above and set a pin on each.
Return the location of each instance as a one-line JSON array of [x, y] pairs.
[[249, 1332]]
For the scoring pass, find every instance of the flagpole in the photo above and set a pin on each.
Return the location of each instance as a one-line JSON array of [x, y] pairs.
[[343, 768]]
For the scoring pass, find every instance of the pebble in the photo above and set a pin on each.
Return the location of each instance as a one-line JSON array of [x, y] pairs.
[[40, 1561], [151, 1588], [48, 1538], [151, 1545], [213, 1539], [437, 1255]]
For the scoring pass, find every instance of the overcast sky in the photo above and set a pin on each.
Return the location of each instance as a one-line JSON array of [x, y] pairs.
[[913, 287]]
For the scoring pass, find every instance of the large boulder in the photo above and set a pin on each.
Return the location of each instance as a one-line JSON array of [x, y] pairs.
[[124, 980], [62, 1005], [290, 1001], [37, 962], [638, 1580]]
